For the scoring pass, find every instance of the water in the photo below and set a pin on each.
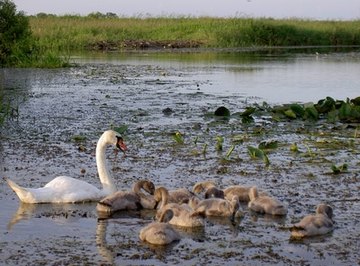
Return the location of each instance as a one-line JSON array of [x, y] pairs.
[[271, 78], [108, 90]]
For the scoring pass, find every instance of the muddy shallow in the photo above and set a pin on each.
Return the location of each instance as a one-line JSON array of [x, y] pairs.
[[55, 106]]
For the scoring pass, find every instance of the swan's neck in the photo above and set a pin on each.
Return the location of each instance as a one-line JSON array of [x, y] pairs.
[[138, 186], [104, 173], [253, 193], [164, 197]]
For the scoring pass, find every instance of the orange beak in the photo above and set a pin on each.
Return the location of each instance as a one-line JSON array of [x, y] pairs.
[[121, 145]]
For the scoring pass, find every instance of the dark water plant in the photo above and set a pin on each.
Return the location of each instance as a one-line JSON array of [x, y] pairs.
[[327, 108]]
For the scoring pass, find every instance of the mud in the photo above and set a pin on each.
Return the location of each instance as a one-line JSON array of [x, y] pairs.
[[143, 44], [55, 105]]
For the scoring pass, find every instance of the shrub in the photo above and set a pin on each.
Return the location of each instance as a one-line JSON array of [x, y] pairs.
[[15, 34]]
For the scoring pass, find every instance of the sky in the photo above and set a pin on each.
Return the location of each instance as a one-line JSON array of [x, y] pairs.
[[304, 9]]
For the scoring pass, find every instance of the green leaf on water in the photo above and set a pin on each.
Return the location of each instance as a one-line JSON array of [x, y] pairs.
[[219, 143], [339, 169], [121, 129], [248, 111], [270, 144], [231, 149], [294, 147], [256, 153], [78, 138], [178, 137]]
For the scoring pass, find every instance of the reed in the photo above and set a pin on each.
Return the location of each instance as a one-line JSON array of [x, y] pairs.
[[68, 33]]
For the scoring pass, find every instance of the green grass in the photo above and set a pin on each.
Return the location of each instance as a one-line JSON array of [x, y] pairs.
[[68, 33]]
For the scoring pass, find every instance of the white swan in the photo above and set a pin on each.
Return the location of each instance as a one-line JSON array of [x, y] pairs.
[[64, 189], [311, 225]]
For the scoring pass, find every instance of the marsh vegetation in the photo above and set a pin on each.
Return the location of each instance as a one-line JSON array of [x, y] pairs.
[[68, 33], [166, 111]]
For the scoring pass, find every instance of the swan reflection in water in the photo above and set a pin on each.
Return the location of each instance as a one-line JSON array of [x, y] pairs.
[[60, 213], [109, 246]]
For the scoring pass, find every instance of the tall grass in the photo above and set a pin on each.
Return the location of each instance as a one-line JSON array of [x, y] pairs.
[[67, 33]]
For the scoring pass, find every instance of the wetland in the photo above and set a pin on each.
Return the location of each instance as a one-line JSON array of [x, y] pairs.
[[150, 96]]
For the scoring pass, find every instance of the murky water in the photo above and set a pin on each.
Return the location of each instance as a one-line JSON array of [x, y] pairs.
[[106, 91]]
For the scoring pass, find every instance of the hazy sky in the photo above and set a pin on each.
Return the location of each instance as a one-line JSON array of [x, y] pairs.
[[312, 9]]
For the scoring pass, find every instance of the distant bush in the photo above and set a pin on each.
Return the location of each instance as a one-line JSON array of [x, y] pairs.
[[100, 15], [15, 34]]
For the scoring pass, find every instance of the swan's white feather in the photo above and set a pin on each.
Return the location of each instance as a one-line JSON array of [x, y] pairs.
[[64, 189]]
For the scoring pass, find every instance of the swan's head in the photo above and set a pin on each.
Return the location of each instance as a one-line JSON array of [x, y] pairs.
[[112, 137], [120, 144]]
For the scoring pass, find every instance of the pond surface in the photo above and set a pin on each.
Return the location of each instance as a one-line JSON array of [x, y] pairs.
[[112, 90]]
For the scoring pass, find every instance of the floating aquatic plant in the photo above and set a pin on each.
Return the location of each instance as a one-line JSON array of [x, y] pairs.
[[239, 139], [246, 116], [294, 147], [229, 152], [219, 143], [178, 137], [78, 138], [269, 144], [121, 129], [204, 150], [256, 153], [339, 169]]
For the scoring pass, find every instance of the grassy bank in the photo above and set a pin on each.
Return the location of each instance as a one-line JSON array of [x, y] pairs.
[[67, 33]]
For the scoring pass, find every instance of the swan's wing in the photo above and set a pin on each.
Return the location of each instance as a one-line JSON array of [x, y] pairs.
[[62, 189]]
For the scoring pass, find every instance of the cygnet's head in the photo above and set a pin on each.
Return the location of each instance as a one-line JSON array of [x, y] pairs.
[[214, 192], [325, 209]]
